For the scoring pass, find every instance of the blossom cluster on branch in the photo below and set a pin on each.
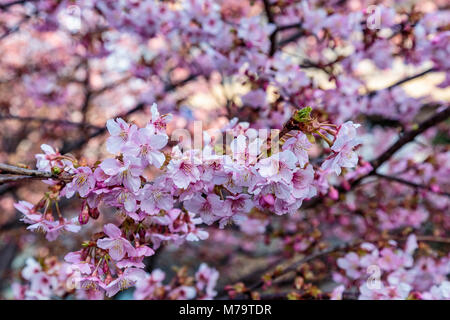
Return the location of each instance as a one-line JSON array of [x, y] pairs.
[[352, 191], [194, 187]]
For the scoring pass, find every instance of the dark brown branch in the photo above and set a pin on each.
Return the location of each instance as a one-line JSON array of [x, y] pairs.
[[410, 136], [49, 121], [10, 173], [404, 139], [289, 26], [5, 178], [337, 248], [376, 163], [290, 39], [110, 86], [68, 147], [402, 81], [273, 36], [411, 184], [12, 3], [294, 266], [13, 29]]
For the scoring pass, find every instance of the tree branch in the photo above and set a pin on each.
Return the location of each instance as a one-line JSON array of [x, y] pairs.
[[411, 184], [337, 248], [12, 3], [49, 121], [402, 81], [376, 163], [10, 173], [410, 136], [67, 147], [290, 39], [273, 35]]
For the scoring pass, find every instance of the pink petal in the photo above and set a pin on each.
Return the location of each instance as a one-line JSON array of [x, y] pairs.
[[112, 231]]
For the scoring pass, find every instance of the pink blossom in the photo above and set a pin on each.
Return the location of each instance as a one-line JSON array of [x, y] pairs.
[[92, 283], [147, 286], [123, 198], [158, 122], [126, 173], [208, 208], [126, 280], [83, 182], [350, 263], [56, 228], [278, 167], [253, 226], [51, 158], [206, 280], [343, 156], [30, 214], [244, 151], [75, 259], [141, 253], [390, 260], [302, 180], [32, 268], [183, 170], [398, 292], [183, 293], [120, 132], [255, 99], [197, 235], [116, 245], [337, 292], [438, 292], [299, 145], [145, 145], [153, 199]]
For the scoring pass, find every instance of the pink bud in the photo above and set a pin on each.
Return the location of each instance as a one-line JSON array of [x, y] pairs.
[[83, 217], [84, 254], [346, 185], [94, 213], [141, 233], [267, 200], [333, 193], [105, 267], [435, 188], [49, 215]]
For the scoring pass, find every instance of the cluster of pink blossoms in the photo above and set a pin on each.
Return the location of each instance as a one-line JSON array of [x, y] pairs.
[[193, 187], [49, 279], [152, 287], [233, 38], [393, 273]]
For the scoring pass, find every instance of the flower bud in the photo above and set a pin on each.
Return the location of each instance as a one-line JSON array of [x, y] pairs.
[[267, 200], [56, 170], [142, 233], [84, 254], [83, 217], [41, 204], [105, 267], [94, 213], [333, 193], [49, 215]]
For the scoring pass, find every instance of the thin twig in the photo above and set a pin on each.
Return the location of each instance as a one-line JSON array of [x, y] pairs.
[[48, 121], [411, 184], [12, 3], [403, 81], [68, 147], [273, 36], [10, 173]]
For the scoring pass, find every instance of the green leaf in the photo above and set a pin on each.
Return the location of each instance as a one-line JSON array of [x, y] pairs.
[[303, 115]]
